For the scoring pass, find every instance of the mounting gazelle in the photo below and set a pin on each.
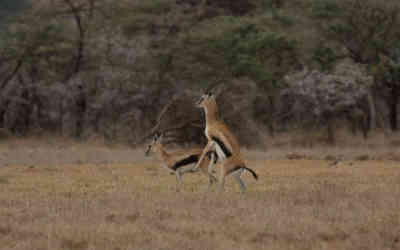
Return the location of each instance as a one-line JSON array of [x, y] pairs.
[[223, 142], [178, 162]]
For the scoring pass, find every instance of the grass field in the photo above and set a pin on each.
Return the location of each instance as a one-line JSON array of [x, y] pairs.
[[112, 203]]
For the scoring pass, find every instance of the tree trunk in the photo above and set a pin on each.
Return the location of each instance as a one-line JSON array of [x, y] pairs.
[[372, 110], [81, 106], [81, 39], [330, 127], [331, 132], [61, 115], [394, 100], [271, 121]]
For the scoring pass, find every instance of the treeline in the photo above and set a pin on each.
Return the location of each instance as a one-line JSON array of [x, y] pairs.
[[124, 69]]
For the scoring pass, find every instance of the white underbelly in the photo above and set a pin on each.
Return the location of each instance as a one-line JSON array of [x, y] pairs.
[[206, 133], [217, 148], [220, 152]]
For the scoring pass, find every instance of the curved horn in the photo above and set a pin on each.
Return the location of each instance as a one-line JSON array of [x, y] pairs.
[[214, 85]]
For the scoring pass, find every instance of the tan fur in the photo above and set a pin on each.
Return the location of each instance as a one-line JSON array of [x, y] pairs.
[[215, 127], [171, 158]]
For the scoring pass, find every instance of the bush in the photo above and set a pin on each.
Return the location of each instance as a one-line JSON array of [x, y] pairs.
[[326, 9], [325, 57], [249, 51], [235, 7], [322, 98]]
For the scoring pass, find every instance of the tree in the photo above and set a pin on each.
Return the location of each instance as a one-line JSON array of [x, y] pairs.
[[387, 76], [12, 7], [37, 52], [321, 97], [367, 29], [263, 56]]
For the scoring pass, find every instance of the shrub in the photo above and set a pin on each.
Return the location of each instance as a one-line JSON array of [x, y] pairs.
[[326, 9]]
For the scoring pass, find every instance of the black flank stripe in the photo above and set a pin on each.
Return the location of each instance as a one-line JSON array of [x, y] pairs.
[[222, 146], [186, 161]]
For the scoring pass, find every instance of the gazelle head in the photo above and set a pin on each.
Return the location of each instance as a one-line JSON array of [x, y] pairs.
[[155, 143], [206, 100]]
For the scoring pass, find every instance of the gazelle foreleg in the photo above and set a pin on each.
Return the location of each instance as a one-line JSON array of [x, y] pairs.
[[202, 162], [178, 179], [209, 147]]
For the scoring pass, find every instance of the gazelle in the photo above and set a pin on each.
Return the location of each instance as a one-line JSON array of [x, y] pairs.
[[178, 162], [223, 142]]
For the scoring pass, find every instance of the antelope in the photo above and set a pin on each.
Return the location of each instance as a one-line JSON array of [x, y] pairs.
[[223, 142], [177, 162]]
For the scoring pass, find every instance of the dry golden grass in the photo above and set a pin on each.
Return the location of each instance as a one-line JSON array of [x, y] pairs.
[[296, 204]]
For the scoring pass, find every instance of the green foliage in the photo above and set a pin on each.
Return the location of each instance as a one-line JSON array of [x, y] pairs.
[[43, 47], [8, 9], [326, 9], [261, 55], [284, 20], [387, 70], [325, 57], [366, 28], [155, 7], [272, 4], [235, 8], [11, 7]]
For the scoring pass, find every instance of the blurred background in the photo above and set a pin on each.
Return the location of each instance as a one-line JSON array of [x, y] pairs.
[[299, 72]]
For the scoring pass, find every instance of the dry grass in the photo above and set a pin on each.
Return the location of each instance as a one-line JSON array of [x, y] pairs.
[[296, 204], [313, 145]]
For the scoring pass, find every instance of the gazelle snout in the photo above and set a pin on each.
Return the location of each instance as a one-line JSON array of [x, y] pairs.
[[200, 101]]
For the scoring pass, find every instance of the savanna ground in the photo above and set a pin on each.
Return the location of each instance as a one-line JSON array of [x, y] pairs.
[[68, 195]]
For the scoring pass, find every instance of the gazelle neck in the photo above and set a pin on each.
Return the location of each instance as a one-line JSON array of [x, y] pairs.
[[163, 154], [211, 113]]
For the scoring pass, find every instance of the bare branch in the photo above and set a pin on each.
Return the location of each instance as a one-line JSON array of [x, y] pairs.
[[156, 128]]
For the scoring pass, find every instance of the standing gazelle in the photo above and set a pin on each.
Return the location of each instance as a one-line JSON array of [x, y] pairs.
[[178, 162], [223, 142]]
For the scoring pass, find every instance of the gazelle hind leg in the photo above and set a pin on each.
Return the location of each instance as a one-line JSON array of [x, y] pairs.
[[211, 177], [226, 166], [222, 179], [211, 164], [178, 179], [211, 181], [238, 177]]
